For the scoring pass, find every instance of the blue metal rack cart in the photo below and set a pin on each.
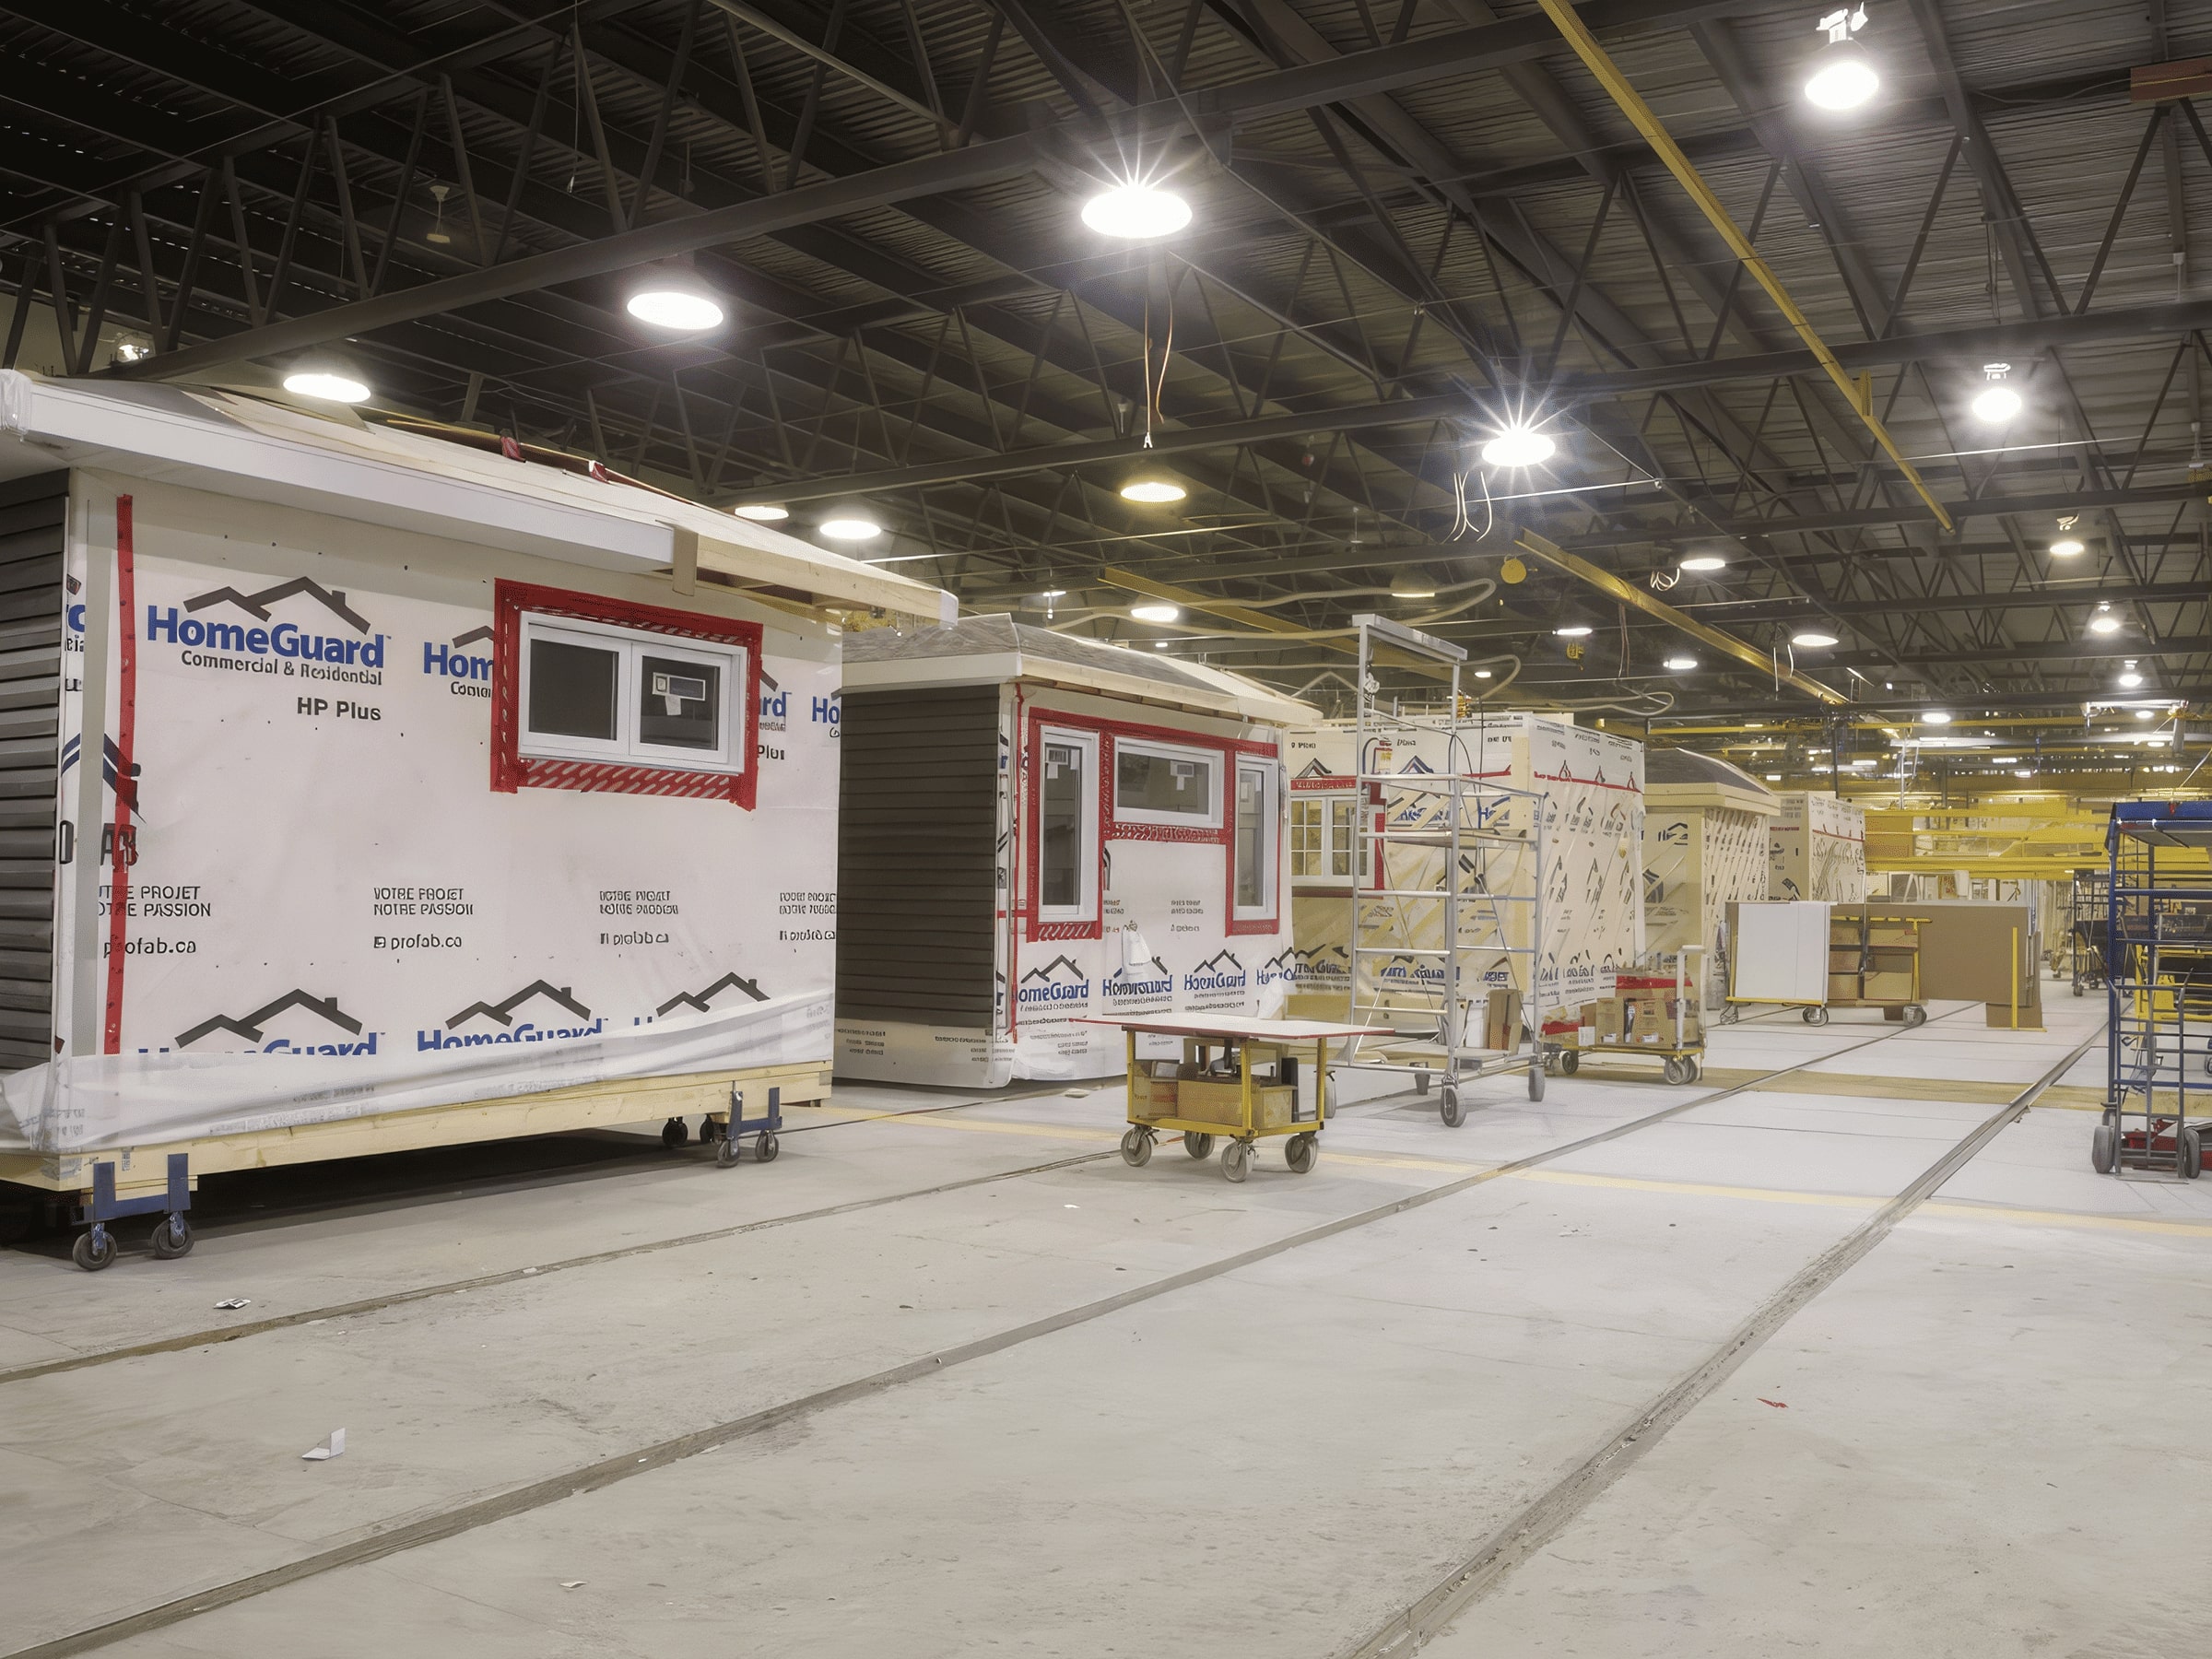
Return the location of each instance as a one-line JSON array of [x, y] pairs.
[[2159, 989]]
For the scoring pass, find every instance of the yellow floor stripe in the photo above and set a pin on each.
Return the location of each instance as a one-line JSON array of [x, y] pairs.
[[1701, 1189], [1888, 1089], [2135, 1224]]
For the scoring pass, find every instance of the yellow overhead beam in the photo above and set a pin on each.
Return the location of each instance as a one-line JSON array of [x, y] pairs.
[[1613, 587], [1858, 390]]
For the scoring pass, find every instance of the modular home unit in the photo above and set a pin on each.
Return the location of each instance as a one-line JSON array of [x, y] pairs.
[[1704, 849], [1592, 783], [1038, 831], [370, 788], [1817, 848]]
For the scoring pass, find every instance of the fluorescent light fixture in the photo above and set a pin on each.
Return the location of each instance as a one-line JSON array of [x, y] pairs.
[[1136, 211], [1812, 639], [1681, 664], [680, 310], [1156, 613], [1482, 674], [1936, 717], [1773, 777], [332, 385], [1843, 78], [1698, 564], [1412, 584], [1153, 492], [850, 529], [1572, 630], [2104, 622], [1160, 644], [2067, 547], [2146, 713], [1521, 446], [762, 512], [1996, 405]]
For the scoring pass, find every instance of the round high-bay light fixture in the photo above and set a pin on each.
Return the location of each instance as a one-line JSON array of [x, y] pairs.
[[331, 383], [850, 526], [1936, 717], [1996, 403], [762, 512], [1517, 447], [1702, 564], [1153, 492], [1812, 639], [1156, 612], [1135, 212], [1843, 75], [2067, 547], [672, 297]]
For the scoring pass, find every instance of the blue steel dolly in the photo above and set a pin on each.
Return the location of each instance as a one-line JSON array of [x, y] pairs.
[[723, 1130], [96, 1248], [2157, 961]]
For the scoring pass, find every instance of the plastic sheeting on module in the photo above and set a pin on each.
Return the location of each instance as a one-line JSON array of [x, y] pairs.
[[1817, 848]]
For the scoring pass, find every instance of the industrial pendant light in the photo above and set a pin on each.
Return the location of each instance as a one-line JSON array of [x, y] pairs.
[[1996, 403], [1843, 75]]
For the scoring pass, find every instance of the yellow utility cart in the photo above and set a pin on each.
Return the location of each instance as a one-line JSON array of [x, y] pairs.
[[1680, 1052], [1238, 1081]]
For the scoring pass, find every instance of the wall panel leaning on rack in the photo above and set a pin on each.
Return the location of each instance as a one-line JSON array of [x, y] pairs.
[[418, 778], [1592, 782], [1705, 847], [1038, 831]]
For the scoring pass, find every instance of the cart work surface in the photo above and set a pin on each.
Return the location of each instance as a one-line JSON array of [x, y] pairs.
[[1249, 1030]]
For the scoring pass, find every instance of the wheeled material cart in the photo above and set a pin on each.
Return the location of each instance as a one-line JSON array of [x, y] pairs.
[[1237, 1082], [1863, 952], [2158, 988], [724, 1130], [1681, 1061]]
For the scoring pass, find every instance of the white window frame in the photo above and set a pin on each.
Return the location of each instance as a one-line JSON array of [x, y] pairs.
[[1269, 772], [731, 757], [1339, 835], [1086, 908], [1214, 759]]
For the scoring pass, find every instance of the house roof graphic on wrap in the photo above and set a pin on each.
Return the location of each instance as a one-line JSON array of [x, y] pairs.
[[251, 1026], [470, 636], [504, 1012], [699, 1001], [1043, 975], [257, 605], [1219, 959]]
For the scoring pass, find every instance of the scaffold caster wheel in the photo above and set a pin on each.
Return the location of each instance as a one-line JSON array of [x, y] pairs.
[[172, 1238], [2077, 987], [765, 1146], [1420, 1080], [94, 1250], [1536, 1082], [1302, 1154], [726, 1154], [1200, 1146], [1731, 1014], [1449, 1108], [674, 1134], [2104, 1147], [1570, 1063], [1236, 1159], [2189, 1149], [1816, 1016], [1136, 1149], [1680, 1071], [1915, 1015]]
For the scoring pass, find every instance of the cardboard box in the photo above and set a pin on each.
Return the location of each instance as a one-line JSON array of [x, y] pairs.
[[1843, 961], [1891, 935], [1502, 1020], [1152, 1089], [1888, 987], [1843, 987], [1273, 1105], [1611, 1021]]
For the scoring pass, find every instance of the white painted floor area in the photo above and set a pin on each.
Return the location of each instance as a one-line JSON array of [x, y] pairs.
[[1971, 1426]]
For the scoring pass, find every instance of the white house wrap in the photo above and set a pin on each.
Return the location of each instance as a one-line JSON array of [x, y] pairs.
[[1817, 848], [1704, 849], [1038, 831], [429, 778]]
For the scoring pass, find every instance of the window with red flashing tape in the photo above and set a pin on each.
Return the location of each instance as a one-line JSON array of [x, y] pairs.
[[612, 697], [1091, 781]]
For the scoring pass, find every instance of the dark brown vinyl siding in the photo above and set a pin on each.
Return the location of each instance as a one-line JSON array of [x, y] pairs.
[[32, 513], [917, 855]]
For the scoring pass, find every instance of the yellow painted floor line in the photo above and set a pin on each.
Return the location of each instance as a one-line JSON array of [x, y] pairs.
[[2134, 1224], [1850, 1085]]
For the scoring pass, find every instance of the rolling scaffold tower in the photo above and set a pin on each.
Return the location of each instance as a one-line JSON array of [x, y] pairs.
[[1448, 887], [2157, 957]]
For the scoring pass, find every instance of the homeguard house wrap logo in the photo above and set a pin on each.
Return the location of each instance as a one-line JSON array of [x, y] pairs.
[[1149, 982], [701, 1001], [310, 1025], [282, 648], [1220, 971], [1060, 986], [497, 1022], [469, 672]]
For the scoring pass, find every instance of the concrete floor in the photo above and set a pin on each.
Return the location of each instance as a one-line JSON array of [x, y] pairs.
[[1946, 1451]]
